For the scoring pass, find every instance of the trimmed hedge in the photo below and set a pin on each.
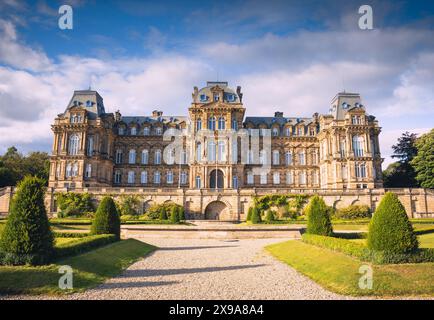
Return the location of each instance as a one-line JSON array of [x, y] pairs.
[[363, 253], [249, 214], [71, 234], [83, 245], [390, 230], [318, 217], [353, 212]]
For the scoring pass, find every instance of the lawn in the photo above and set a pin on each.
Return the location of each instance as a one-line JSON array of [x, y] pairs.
[[340, 273], [90, 269]]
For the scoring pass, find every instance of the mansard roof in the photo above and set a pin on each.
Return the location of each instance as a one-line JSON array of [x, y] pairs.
[[152, 119], [90, 100], [269, 121]]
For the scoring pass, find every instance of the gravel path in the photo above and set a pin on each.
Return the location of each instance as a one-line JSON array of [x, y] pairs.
[[209, 269]]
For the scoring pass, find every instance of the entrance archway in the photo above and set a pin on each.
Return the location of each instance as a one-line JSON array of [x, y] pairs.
[[216, 175], [216, 210]]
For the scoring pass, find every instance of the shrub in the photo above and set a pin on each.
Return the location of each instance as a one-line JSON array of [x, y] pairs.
[[129, 205], [160, 211], [106, 219], [163, 214], [174, 216], [389, 229], [249, 214], [181, 213], [128, 217], [318, 217], [74, 204], [354, 212], [256, 216], [27, 237], [269, 216], [82, 245]]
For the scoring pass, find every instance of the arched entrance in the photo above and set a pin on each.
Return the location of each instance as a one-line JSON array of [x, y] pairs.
[[216, 210], [216, 175]]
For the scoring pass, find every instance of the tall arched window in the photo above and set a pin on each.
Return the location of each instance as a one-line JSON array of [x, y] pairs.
[[249, 177], [132, 156], [144, 177], [198, 184], [198, 124], [75, 170], [221, 151], [157, 177], [211, 123], [234, 124], [145, 156], [183, 177], [301, 158], [222, 123], [235, 182], [198, 152], [262, 157], [131, 177], [133, 131], [275, 132], [276, 157], [90, 146], [235, 151], [276, 178], [146, 131], [211, 150], [118, 156], [288, 158], [74, 144], [358, 145], [68, 170], [169, 177], [289, 177], [157, 157]]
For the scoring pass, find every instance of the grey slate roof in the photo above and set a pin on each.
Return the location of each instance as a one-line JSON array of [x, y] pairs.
[[280, 120]]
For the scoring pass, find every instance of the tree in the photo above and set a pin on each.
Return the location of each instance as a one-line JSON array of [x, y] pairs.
[[390, 230], [174, 215], [318, 217], [107, 219], [423, 162], [256, 216], [163, 213], [249, 214], [401, 173], [181, 213], [27, 237], [129, 205], [269, 216]]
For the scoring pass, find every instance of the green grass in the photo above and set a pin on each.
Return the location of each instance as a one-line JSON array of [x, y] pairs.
[[425, 240], [340, 273], [59, 241], [90, 269]]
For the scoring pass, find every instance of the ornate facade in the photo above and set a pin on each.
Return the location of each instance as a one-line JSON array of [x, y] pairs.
[[92, 148]]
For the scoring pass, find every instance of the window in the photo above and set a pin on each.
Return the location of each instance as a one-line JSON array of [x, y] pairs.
[[118, 156], [302, 158], [312, 131], [358, 146], [302, 177], [342, 148], [197, 182], [146, 131], [203, 98], [360, 170], [211, 151], [276, 178], [275, 132], [300, 131], [222, 123], [314, 158], [58, 170], [356, 120], [221, 151], [88, 171], [288, 158], [234, 124], [75, 170], [133, 131], [145, 156], [157, 157], [235, 182], [249, 157], [118, 176], [276, 157], [90, 146], [216, 97], [184, 159], [68, 170], [132, 156], [169, 177], [158, 131], [157, 177], [74, 144], [211, 123], [183, 177], [235, 151], [263, 179], [198, 152], [121, 131], [315, 177], [250, 177], [170, 156], [144, 177], [289, 178], [131, 177], [198, 124], [344, 172], [230, 97], [262, 157], [288, 131]]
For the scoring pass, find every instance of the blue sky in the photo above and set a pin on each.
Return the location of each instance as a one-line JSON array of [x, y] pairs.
[[291, 56]]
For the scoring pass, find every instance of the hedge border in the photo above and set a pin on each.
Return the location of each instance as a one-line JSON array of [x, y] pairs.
[[82, 245]]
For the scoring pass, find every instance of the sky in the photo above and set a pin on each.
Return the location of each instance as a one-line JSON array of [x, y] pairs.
[[289, 56]]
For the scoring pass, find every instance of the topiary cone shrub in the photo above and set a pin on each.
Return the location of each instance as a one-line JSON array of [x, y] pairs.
[[181, 213], [163, 214], [174, 215], [256, 216], [390, 230], [27, 237], [318, 217], [107, 220], [269, 217], [249, 214]]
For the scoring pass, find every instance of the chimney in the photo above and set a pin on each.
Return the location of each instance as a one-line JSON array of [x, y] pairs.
[[157, 113], [278, 114]]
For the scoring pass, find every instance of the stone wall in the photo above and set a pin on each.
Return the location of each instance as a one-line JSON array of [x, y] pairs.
[[233, 204]]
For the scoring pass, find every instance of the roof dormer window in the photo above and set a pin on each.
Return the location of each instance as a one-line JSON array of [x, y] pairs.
[[230, 97], [203, 98], [216, 97], [89, 103]]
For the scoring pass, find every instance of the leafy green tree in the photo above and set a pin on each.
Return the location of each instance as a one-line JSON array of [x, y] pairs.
[[269, 216], [74, 204], [107, 219], [27, 237], [256, 216], [129, 205], [389, 229], [423, 162], [401, 173], [318, 217]]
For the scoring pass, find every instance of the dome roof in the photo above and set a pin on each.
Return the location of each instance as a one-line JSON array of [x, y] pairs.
[[206, 94]]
